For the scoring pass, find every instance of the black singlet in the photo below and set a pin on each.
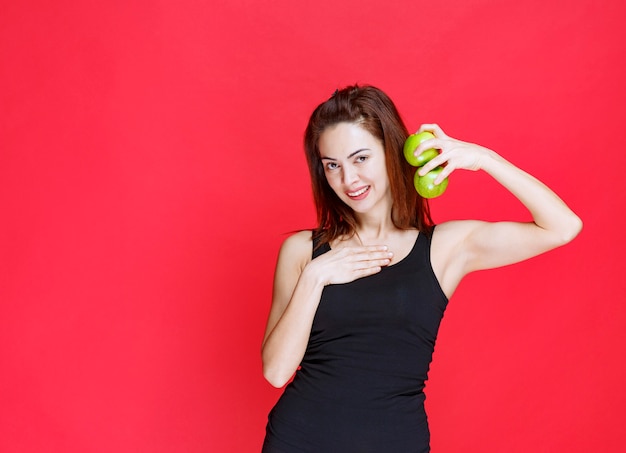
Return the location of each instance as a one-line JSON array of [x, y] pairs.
[[360, 385]]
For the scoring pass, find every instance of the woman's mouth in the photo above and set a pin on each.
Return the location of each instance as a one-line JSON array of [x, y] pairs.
[[359, 194]]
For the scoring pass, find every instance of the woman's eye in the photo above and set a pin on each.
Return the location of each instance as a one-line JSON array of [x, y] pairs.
[[361, 158], [331, 166]]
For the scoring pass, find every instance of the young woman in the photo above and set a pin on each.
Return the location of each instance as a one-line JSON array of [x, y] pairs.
[[358, 301]]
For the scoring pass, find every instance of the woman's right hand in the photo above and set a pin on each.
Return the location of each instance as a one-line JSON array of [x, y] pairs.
[[346, 264]]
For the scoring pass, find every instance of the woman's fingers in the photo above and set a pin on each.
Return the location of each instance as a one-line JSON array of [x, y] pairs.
[[453, 154], [350, 263], [434, 128], [363, 259], [440, 160]]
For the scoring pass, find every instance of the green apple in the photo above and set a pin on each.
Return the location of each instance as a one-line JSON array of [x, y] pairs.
[[426, 186], [412, 143]]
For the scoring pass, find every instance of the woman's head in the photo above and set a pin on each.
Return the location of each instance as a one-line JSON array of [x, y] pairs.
[[372, 110]]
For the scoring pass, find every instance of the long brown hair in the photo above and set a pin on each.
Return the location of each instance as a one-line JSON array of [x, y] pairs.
[[372, 109]]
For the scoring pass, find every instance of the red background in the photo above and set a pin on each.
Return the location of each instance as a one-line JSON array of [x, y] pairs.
[[151, 164]]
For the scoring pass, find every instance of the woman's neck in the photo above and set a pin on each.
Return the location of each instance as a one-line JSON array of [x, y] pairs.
[[374, 228]]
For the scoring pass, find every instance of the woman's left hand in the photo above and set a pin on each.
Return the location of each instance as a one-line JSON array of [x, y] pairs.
[[453, 154]]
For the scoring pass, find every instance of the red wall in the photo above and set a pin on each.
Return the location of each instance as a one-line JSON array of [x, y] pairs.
[[151, 164]]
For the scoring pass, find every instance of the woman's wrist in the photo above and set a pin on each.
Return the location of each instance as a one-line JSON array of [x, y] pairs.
[[311, 278], [490, 161]]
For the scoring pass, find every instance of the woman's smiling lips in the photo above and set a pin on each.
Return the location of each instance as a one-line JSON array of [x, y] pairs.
[[359, 194]]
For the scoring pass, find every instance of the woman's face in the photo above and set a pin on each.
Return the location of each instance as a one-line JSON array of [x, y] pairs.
[[354, 164]]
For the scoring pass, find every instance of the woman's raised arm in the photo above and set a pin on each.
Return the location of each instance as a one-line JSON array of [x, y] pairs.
[[481, 245]]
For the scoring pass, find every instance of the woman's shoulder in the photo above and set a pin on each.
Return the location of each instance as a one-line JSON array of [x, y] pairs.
[[450, 237], [455, 229], [297, 248], [299, 239]]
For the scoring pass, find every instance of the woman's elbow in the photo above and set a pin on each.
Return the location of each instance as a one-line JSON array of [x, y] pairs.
[[275, 377], [274, 370], [572, 229]]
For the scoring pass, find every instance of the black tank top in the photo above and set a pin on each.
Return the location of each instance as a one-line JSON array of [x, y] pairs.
[[360, 384]]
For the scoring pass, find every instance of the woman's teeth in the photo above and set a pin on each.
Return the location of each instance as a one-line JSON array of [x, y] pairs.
[[358, 192]]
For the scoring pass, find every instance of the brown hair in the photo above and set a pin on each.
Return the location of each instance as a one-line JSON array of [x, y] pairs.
[[373, 110]]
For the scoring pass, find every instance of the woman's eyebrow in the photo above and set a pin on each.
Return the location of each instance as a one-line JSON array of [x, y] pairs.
[[351, 154]]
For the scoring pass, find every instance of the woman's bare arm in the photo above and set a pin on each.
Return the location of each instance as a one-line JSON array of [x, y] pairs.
[[468, 246], [298, 285]]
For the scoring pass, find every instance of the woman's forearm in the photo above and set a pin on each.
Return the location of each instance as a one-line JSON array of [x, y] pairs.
[[286, 344]]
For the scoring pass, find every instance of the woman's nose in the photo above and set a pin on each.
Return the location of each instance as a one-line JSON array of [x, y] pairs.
[[350, 175]]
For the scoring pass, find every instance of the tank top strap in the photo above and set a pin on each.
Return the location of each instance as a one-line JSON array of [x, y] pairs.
[[317, 251], [423, 246]]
